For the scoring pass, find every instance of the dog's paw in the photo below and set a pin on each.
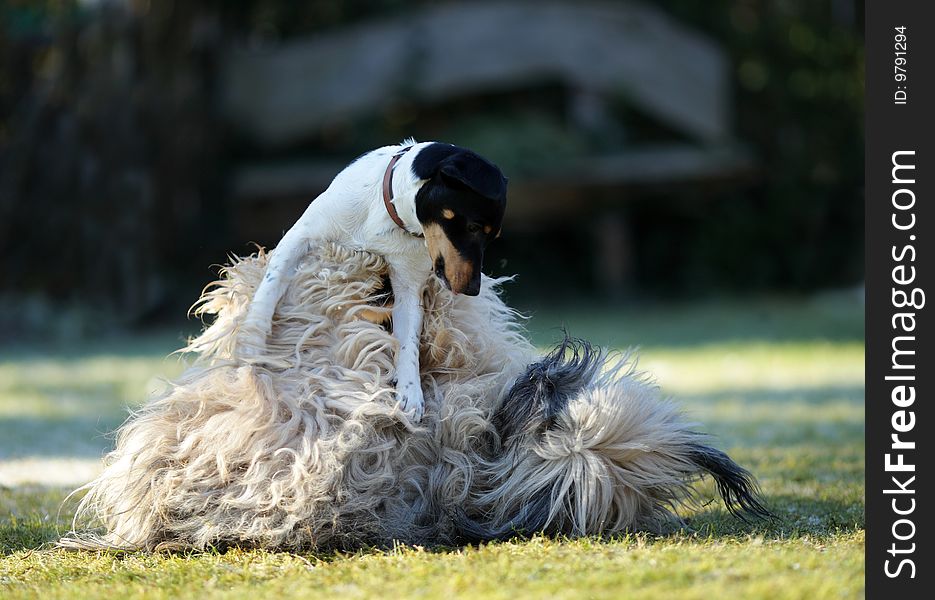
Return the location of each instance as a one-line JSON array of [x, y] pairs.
[[409, 392]]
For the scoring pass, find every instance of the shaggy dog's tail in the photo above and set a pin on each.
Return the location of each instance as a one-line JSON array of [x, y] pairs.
[[588, 446], [736, 485]]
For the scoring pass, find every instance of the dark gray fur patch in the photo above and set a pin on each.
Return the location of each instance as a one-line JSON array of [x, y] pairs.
[[531, 519], [540, 394]]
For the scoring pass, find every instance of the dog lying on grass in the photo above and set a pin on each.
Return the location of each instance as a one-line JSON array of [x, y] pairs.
[[308, 447]]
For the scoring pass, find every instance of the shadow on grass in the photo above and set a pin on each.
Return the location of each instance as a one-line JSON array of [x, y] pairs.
[[795, 517], [726, 321], [55, 437], [148, 345], [27, 534], [819, 416], [33, 516], [818, 395]]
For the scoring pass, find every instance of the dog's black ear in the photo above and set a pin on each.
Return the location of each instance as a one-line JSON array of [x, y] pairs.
[[474, 172], [461, 167]]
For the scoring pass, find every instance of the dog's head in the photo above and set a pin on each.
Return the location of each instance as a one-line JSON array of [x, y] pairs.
[[460, 207]]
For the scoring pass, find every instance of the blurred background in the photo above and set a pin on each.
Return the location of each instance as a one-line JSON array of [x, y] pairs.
[[657, 151], [684, 176]]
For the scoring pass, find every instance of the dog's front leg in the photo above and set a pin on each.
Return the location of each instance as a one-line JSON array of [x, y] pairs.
[[407, 328], [258, 322]]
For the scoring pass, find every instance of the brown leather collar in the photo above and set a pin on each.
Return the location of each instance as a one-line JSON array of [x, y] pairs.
[[388, 190]]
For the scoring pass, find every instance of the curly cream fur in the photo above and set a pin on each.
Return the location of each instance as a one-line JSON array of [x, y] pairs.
[[309, 448], [615, 460]]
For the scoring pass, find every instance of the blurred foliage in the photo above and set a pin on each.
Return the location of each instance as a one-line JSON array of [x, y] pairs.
[[110, 157], [799, 77], [113, 161]]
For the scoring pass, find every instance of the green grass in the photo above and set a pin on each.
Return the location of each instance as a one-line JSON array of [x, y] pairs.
[[778, 383]]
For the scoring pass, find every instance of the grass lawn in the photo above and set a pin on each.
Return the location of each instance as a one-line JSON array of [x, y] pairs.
[[778, 382]]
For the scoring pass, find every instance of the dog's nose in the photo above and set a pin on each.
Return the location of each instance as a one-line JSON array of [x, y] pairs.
[[472, 288]]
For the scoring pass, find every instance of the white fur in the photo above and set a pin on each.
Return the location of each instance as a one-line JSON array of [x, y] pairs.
[[306, 447], [351, 212]]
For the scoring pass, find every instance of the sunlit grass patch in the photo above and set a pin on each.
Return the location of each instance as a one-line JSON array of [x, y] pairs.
[[679, 566]]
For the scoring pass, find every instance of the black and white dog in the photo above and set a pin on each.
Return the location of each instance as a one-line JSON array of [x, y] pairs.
[[426, 207]]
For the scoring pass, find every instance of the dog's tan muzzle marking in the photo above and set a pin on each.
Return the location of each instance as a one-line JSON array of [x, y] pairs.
[[458, 271]]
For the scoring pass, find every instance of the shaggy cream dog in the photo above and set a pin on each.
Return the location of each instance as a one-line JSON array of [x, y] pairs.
[[309, 448]]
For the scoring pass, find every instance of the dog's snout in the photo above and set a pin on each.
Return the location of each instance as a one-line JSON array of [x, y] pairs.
[[465, 282], [440, 271], [472, 288]]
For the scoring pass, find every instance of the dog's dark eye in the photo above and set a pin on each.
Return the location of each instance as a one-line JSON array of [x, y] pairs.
[[473, 227]]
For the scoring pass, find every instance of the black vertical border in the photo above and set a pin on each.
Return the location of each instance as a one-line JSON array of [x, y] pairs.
[[890, 127]]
